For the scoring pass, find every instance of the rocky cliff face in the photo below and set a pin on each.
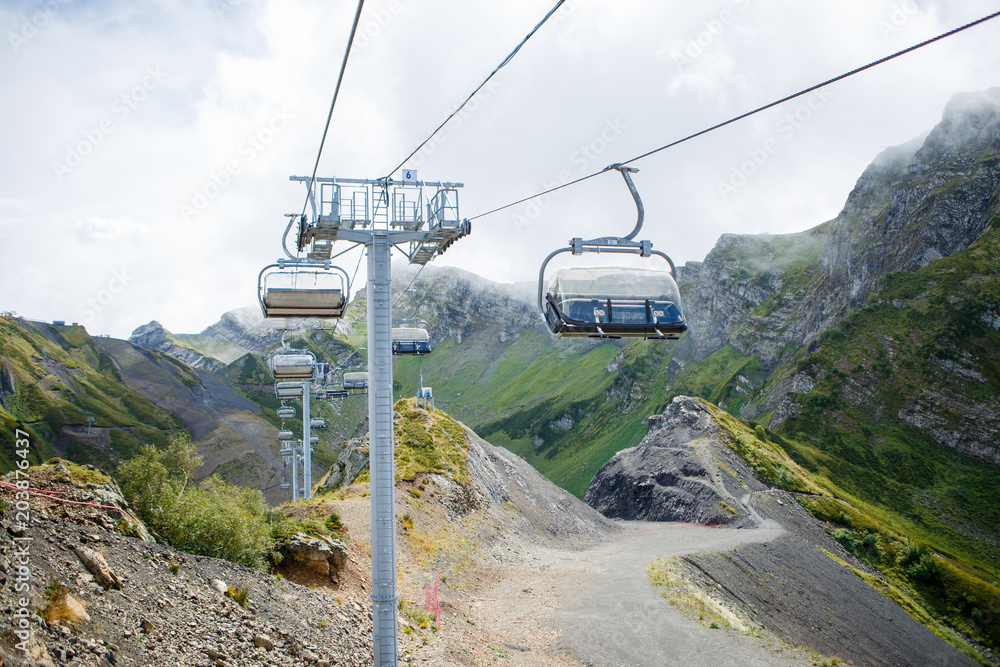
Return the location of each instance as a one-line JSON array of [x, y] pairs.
[[457, 304], [915, 203], [155, 336], [237, 333]]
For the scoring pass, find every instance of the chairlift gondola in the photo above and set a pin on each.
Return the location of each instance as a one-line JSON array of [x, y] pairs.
[[336, 390], [356, 382], [613, 302], [292, 364], [288, 389], [286, 412], [317, 422], [410, 341], [303, 288]]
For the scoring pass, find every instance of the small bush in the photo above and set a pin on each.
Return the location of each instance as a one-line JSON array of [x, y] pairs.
[[212, 518], [924, 570], [238, 595]]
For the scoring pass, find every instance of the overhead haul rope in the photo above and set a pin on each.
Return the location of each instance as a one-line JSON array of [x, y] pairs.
[[333, 103], [468, 99], [732, 120]]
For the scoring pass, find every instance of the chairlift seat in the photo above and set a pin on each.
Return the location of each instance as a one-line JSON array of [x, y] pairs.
[[289, 302], [285, 435], [284, 486], [288, 389], [286, 413], [317, 422], [614, 302]]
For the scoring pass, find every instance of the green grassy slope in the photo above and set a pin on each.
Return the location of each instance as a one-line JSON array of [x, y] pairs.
[[61, 375], [925, 350]]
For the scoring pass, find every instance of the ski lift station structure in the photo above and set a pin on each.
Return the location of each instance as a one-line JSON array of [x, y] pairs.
[[378, 215]]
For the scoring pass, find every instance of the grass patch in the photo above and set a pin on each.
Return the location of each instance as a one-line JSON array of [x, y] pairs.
[[667, 575]]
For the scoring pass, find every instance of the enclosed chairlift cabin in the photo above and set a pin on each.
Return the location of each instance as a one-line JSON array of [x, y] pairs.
[[302, 288], [292, 364], [613, 302], [410, 341], [356, 382]]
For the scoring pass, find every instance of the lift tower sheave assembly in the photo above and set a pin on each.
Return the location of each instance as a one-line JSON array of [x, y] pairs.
[[380, 215]]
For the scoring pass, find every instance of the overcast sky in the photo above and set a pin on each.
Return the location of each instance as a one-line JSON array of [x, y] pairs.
[[120, 118]]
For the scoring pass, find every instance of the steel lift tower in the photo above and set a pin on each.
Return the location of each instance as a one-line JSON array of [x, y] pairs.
[[381, 214]]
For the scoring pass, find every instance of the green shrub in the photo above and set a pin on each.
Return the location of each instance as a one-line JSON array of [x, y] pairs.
[[213, 518], [925, 569]]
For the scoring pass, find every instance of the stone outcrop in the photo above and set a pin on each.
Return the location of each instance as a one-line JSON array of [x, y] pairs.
[[155, 336], [681, 471], [351, 460], [99, 567], [324, 555]]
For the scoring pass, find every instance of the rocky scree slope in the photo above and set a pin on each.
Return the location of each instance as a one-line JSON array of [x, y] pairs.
[[149, 605]]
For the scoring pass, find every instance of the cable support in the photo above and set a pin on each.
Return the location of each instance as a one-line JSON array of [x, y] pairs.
[[747, 114], [333, 103], [468, 99]]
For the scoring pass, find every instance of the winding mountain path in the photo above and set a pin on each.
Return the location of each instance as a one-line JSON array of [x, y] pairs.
[[618, 618], [596, 606]]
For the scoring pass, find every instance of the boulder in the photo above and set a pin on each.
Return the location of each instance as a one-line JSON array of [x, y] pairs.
[[99, 567]]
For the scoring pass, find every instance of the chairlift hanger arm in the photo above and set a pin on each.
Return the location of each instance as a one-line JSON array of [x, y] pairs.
[[635, 196]]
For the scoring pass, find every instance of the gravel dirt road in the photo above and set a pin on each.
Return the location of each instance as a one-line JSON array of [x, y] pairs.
[[596, 607]]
